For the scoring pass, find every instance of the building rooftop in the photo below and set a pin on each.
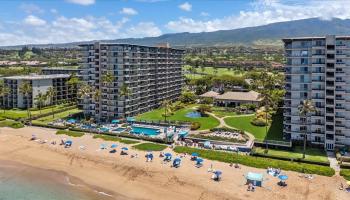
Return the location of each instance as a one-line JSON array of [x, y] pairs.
[[209, 94], [59, 68], [37, 77], [239, 96], [315, 38], [125, 44]]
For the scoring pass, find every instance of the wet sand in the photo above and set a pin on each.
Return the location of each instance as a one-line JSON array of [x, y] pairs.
[[132, 178]]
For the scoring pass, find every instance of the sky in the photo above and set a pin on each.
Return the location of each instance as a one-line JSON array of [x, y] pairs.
[[60, 21]]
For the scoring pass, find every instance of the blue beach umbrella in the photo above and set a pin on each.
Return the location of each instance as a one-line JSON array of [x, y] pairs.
[[194, 154], [115, 121], [167, 155], [114, 146], [103, 146], [69, 142], [218, 173], [283, 177], [199, 160], [125, 149]]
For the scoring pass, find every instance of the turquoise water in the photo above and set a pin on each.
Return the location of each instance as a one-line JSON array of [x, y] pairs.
[[104, 129], [19, 182], [194, 114], [119, 129], [145, 131]]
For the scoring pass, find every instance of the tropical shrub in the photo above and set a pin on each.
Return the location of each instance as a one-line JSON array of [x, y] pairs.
[[345, 173], [188, 98], [195, 125], [258, 122]]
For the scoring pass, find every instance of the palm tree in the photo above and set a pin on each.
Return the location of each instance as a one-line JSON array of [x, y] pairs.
[[266, 100], [51, 92], [84, 92], [97, 95], [73, 83], [305, 109], [40, 100], [108, 79], [124, 91], [4, 91], [165, 104], [26, 88]]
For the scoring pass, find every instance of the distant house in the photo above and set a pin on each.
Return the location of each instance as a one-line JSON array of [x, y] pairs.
[[237, 98]]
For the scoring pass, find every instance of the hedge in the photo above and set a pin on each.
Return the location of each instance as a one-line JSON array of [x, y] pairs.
[[289, 159], [258, 162], [48, 126], [54, 112], [2, 119], [345, 173], [150, 147], [70, 133], [11, 124], [216, 138]]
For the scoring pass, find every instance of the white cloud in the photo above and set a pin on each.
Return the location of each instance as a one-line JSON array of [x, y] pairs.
[[30, 8], [64, 29], [34, 21], [53, 11], [128, 11], [82, 2], [186, 6], [204, 14], [265, 12], [144, 29]]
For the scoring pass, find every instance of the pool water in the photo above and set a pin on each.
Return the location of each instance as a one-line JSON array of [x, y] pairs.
[[194, 114], [104, 129], [144, 130]]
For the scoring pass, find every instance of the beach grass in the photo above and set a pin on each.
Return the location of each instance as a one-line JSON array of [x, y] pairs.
[[207, 122], [11, 124], [150, 147], [275, 129], [70, 133], [258, 162], [312, 154], [345, 173], [115, 139]]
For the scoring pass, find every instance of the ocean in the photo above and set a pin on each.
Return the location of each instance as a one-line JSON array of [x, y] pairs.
[[22, 182]]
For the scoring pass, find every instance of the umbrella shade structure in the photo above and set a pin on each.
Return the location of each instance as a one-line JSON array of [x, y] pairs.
[[114, 146], [199, 161], [255, 178], [194, 154], [125, 148], [207, 144], [218, 173], [103, 146], [283, 177], [69, 142], [176, 162], [167, 155], [115, 121]]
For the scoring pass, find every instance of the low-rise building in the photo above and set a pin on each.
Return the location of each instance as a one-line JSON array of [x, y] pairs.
[[39, 84], [232, 99]]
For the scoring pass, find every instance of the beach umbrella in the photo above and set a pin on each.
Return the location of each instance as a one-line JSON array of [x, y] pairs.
[[177, 160], [103, 146], [114, 146], [199, 160], [69, 142], [218, 173], [115, 121], [125, 149], [167, 155], [283, 177], [194, 154]]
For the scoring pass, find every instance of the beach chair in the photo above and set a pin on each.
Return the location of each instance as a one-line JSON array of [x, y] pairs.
[[68, 144], [176, 162]]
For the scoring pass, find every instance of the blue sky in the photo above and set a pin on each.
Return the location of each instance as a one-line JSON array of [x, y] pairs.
[[57, 21]]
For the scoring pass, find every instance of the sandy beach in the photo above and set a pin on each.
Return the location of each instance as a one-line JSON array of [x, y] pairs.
[[124, 177]]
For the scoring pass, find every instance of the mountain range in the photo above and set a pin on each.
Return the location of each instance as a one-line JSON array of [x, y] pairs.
[[270, 34]]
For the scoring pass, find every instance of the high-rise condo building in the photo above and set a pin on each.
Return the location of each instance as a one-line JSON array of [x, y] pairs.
[[142, 77], [318, 68]]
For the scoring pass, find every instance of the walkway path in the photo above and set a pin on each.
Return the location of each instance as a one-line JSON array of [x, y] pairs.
[[333, 161]]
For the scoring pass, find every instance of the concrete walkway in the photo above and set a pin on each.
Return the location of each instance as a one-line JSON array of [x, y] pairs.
[[333, 162]]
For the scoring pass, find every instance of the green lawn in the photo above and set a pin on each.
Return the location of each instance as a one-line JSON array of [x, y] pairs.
[[180, 115], [22, 113], [150, 147], [345, 173], [70, 133], [115, 139], [11, 124], [275, 130], [62, 115], [312, 154], [220, 71], [222, 112]]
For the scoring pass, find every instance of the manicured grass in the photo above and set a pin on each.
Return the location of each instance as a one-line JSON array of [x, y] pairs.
[[22, 113], [116, 139], [70, 133], [61, 115], [150, 147], [258, 162], [220, 71], [312, 154], [275, 130], [222, 112], [11, 124], [345, 173], [217, 138], [180, 115]]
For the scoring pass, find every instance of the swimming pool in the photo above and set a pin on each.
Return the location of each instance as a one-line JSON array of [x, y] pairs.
[[144, 130], [194, 114], [104, 129]]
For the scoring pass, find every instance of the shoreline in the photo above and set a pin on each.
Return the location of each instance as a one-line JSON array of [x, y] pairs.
[[133, 178]]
